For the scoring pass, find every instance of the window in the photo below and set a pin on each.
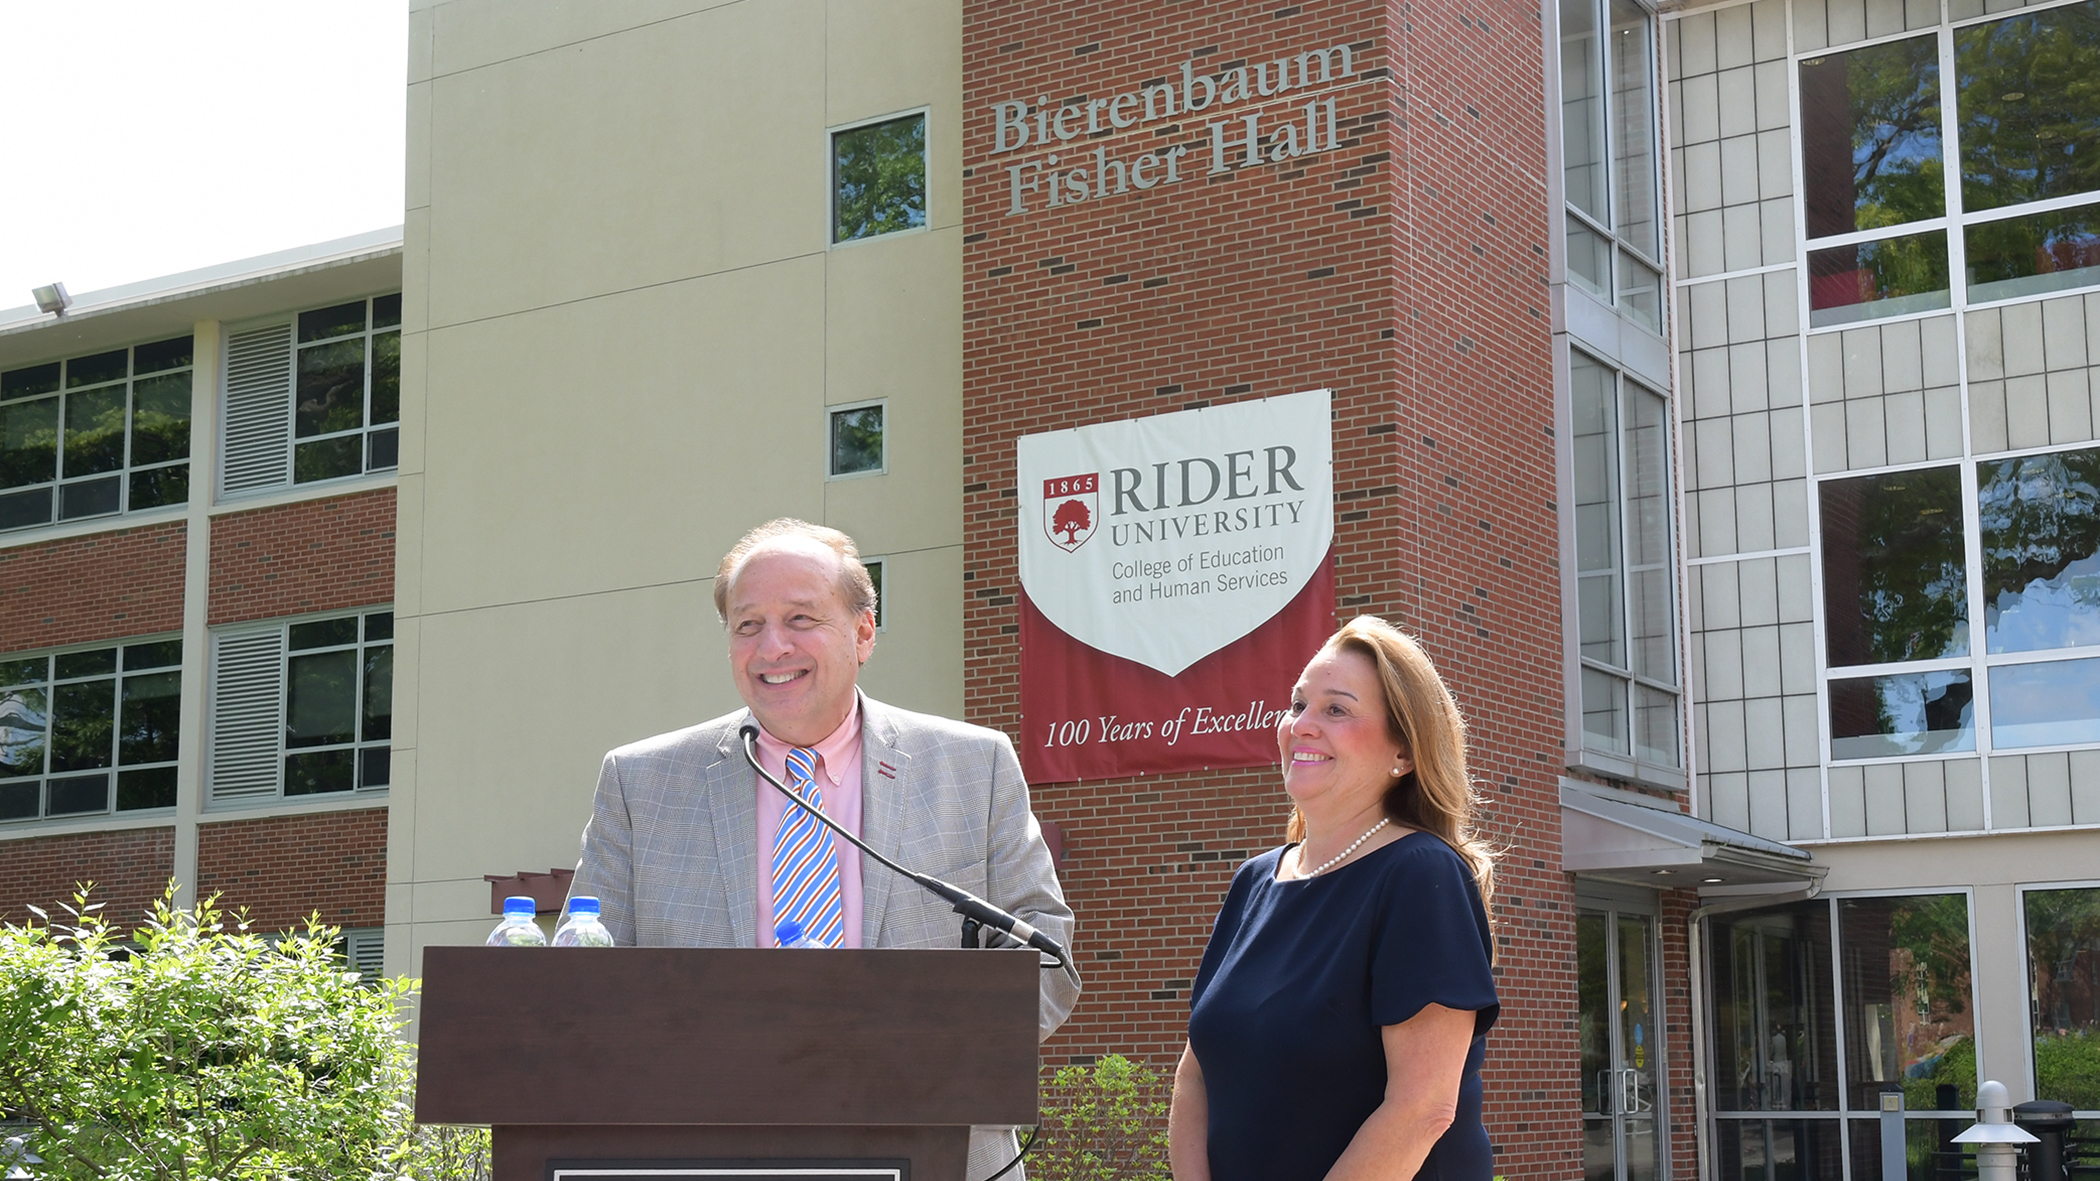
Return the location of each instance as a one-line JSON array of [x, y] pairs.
[[1907, 658], [315, 396], [302, 708], [364, 951], [1608, 150], [1799, 1060], [856, 441], [2063, 974], [874, 567], [90, 436], [878, 178], [75, 724], [1626, 625], [1883, 240]]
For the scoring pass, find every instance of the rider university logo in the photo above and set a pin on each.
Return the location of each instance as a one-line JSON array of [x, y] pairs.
[[1071, 507]]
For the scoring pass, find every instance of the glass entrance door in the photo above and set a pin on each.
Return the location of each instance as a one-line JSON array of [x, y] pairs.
[[1621, 1059]]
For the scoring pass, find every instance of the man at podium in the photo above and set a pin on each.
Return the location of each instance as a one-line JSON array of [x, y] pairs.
[[688, 847]]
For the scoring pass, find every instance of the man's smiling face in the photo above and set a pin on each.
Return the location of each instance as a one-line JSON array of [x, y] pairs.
[[795, 647]]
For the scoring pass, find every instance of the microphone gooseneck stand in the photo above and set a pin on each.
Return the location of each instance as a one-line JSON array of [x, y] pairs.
[[976, 912]]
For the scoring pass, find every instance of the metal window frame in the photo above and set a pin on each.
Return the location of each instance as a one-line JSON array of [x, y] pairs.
[[289, 319], [2020, 891], [1979, 660], [285, 653], [1844, 1116], [1608, 100], [1625, 364], [882, 589], [1955, 220], [1580, 753], [831, 414], [123, 472], [368, 428], [51, 680], [924, 112]]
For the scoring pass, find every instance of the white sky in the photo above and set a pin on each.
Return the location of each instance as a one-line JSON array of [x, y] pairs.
[[147, 137]]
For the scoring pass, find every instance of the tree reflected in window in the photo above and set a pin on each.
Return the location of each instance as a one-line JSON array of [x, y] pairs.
[[2040, 520], [1895, 576], [2028, 97]]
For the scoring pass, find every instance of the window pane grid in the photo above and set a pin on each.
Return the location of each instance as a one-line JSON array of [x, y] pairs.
[[1609, 171], [77, 723], [338, 704], [1625, 610], [97, 435], [346, 390], [1978, 625], [1919, 193]]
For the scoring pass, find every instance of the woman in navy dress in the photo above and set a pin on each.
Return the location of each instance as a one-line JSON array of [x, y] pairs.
[[1337, 1025]]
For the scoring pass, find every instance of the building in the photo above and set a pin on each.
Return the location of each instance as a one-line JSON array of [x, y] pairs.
[[1725, 428], [199, 579]]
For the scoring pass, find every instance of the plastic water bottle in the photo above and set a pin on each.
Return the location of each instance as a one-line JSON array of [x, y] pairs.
[[517, 928], [582, 928], [789, 934]]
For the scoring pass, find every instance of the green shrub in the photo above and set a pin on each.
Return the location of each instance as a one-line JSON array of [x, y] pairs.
[[1104, 1124], [2067, 1067], [207, 1051]]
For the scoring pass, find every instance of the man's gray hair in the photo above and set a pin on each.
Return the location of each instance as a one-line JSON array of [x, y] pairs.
[[856, 589]]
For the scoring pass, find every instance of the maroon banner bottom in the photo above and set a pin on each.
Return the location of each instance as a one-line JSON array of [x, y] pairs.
[[1088, 715]]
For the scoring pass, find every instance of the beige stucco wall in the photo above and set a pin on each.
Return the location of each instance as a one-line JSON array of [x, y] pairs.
[[623, 324]]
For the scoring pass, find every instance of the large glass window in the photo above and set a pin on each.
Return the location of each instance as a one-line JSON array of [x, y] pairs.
[[95, 435], [2063, 974], [1608, 155], [878, 174], [347, 399], [1625, 612], [1874, 162], [1894, 975], [89, 732], [338, 704], [1896, 579]]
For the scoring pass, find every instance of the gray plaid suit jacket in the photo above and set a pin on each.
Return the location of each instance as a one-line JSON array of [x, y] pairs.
[[672, 846]]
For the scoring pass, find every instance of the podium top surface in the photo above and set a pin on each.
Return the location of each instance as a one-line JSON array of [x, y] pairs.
[[629, 1035]]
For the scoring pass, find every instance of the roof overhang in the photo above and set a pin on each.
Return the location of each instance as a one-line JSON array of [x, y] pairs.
[[1624, 837], [364, 264]]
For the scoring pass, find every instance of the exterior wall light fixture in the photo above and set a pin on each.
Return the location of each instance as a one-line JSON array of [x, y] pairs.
[[53, 299]]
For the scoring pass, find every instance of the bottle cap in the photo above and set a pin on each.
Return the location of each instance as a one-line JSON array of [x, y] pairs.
[[582, 904], [787, 933], [519, 904]]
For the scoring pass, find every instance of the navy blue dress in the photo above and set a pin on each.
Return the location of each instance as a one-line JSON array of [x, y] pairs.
[[1300, 977]]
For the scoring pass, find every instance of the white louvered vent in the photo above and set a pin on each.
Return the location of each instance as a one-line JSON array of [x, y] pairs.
[[365, 949], [247, 715], [258, 447]]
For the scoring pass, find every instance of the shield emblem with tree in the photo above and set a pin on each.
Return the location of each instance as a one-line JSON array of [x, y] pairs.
[[1071, 509]]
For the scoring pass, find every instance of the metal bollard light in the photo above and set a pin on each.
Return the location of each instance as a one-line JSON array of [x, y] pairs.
[[1994, 1134]]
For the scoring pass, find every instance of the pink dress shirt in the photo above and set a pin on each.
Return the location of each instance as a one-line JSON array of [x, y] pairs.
[[838, 774]]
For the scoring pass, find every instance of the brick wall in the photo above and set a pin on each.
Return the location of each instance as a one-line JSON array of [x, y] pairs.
[[1405, 269], [283, 868], [317, 555], [104, 586], [129, 868]]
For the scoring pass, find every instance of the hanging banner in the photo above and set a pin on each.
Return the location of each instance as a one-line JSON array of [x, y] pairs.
[[1175, 578]]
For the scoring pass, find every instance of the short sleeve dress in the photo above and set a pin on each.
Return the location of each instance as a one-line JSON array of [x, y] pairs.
[[1300, 977]]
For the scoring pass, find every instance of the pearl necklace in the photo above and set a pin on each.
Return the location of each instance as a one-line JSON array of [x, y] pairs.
[[1339, 857]]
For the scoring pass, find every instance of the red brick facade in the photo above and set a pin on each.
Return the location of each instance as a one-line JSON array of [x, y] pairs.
[[283, 868], [317, 555], [105, 586], [129, 869], [1403, 266]]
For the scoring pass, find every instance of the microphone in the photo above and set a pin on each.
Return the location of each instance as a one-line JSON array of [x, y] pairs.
[[966, 904]]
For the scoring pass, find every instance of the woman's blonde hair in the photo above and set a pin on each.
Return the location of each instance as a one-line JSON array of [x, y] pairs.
[[1437, 796]]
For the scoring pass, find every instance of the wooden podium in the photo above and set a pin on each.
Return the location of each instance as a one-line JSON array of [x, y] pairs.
[[611, 1063]]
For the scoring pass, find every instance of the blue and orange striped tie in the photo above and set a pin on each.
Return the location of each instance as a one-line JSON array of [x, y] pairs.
[[805, 862]]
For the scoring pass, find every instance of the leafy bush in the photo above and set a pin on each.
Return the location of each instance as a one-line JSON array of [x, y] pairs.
[[1107, 1124], [205, 1050], [2067, 1065]]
